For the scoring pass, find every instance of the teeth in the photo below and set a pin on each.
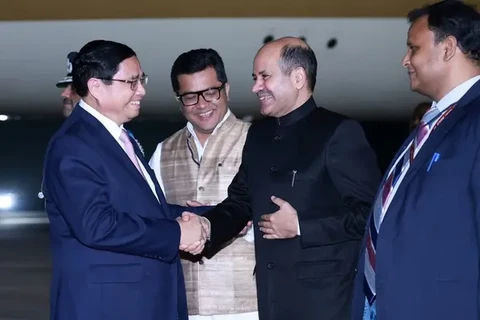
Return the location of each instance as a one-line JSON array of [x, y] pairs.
[[264, 98], [205, 114], [135, 102]]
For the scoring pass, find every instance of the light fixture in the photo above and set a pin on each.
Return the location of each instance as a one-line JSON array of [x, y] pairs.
[[7, 201], [4, 117]]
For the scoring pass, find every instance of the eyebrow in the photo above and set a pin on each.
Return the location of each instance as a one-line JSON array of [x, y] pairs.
[[137, 76], [260, 73]]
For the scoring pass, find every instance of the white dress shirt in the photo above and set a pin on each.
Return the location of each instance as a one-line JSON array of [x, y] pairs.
[[116, 130], [453, 96]]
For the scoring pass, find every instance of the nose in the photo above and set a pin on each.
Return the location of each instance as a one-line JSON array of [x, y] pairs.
[[141, 91], [406, 60], [67, 92], [202, 103], [257, 86]]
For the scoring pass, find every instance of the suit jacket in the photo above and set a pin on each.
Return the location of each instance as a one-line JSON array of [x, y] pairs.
[[114, 245], [428, 247], [320, 162]]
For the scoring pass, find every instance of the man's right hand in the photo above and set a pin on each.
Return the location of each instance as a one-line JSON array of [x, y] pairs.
[[194, 232]]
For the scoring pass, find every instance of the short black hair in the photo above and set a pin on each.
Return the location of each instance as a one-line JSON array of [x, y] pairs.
[[195, 61], [453, 18], [98, 59], [295, 56]]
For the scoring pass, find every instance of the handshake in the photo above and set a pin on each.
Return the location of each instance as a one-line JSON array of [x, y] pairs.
[[195, 231]]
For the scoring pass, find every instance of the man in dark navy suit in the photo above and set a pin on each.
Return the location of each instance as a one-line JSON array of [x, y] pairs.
[[115, 240], [421, 254]]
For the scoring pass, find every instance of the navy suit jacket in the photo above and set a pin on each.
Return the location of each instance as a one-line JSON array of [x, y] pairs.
[[428, 247], [114, 245]]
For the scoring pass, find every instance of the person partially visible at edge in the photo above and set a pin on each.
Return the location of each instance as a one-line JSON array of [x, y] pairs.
[[420, 258], [69, 95]]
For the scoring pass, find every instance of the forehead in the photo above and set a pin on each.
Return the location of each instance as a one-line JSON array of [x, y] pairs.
[[419, 31], [199, 80], [130, 68], [266, 60]]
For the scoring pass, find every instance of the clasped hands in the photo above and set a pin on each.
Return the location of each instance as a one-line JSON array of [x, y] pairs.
[[195, 231]]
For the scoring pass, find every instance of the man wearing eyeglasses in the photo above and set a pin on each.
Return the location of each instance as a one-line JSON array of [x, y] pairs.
[[198, 163], [115, 239]]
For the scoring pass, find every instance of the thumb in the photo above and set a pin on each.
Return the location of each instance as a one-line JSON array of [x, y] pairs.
[[186, 216], [278, 201], [193, 203]]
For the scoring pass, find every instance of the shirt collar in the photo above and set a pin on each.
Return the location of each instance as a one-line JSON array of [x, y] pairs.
[[455, 94], [114, 129], [298, 113]]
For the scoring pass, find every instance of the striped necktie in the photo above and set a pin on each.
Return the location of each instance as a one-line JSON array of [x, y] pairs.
[[427, 124]]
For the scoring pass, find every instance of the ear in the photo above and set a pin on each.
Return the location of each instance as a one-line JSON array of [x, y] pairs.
[[95, 87], [449, 48], [298, 78], [227, 91]]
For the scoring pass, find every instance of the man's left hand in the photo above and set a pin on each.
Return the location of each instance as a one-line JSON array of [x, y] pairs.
[[282, 224]]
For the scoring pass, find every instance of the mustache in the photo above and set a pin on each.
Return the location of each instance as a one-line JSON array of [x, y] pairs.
[[67, 101], [262, 93]]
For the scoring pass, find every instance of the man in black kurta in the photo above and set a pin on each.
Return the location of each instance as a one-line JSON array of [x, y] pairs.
[[322, 174]]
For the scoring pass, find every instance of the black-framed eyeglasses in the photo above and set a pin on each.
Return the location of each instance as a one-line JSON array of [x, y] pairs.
[[133, 83], [191, 98]]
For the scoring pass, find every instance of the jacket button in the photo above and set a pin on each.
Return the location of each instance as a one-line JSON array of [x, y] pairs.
[[276, 138], [201, 188], [273, 169], [270, 265]]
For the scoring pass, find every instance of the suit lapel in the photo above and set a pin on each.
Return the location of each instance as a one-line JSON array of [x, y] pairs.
[[435, 138], [150, 172], [106, 142]]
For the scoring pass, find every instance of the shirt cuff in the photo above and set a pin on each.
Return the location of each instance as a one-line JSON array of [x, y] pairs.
[[298, 228]]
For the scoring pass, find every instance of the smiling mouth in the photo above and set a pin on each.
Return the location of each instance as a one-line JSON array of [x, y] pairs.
[[263, 98], [205, 114]]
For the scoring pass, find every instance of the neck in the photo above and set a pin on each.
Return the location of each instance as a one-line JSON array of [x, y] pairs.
[[300, 102], [456, 78], [92, 102]]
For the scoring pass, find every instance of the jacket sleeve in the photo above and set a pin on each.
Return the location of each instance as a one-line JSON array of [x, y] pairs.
[[352, 166], [76, 185]]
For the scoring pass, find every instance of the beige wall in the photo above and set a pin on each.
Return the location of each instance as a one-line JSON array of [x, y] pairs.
[[91, 9]]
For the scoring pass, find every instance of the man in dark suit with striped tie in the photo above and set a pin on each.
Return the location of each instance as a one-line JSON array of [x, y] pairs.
[[421, 254]]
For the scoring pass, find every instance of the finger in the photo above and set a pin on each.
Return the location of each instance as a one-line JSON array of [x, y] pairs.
[[272, 236], [265, 224], [249, 224], [193, 203], [195, 247], [186, 216], [267, 230], [278, 201], [266, 217], [198, 250]]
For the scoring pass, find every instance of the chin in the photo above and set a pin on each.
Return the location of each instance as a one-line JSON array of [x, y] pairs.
[[267, 110]]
